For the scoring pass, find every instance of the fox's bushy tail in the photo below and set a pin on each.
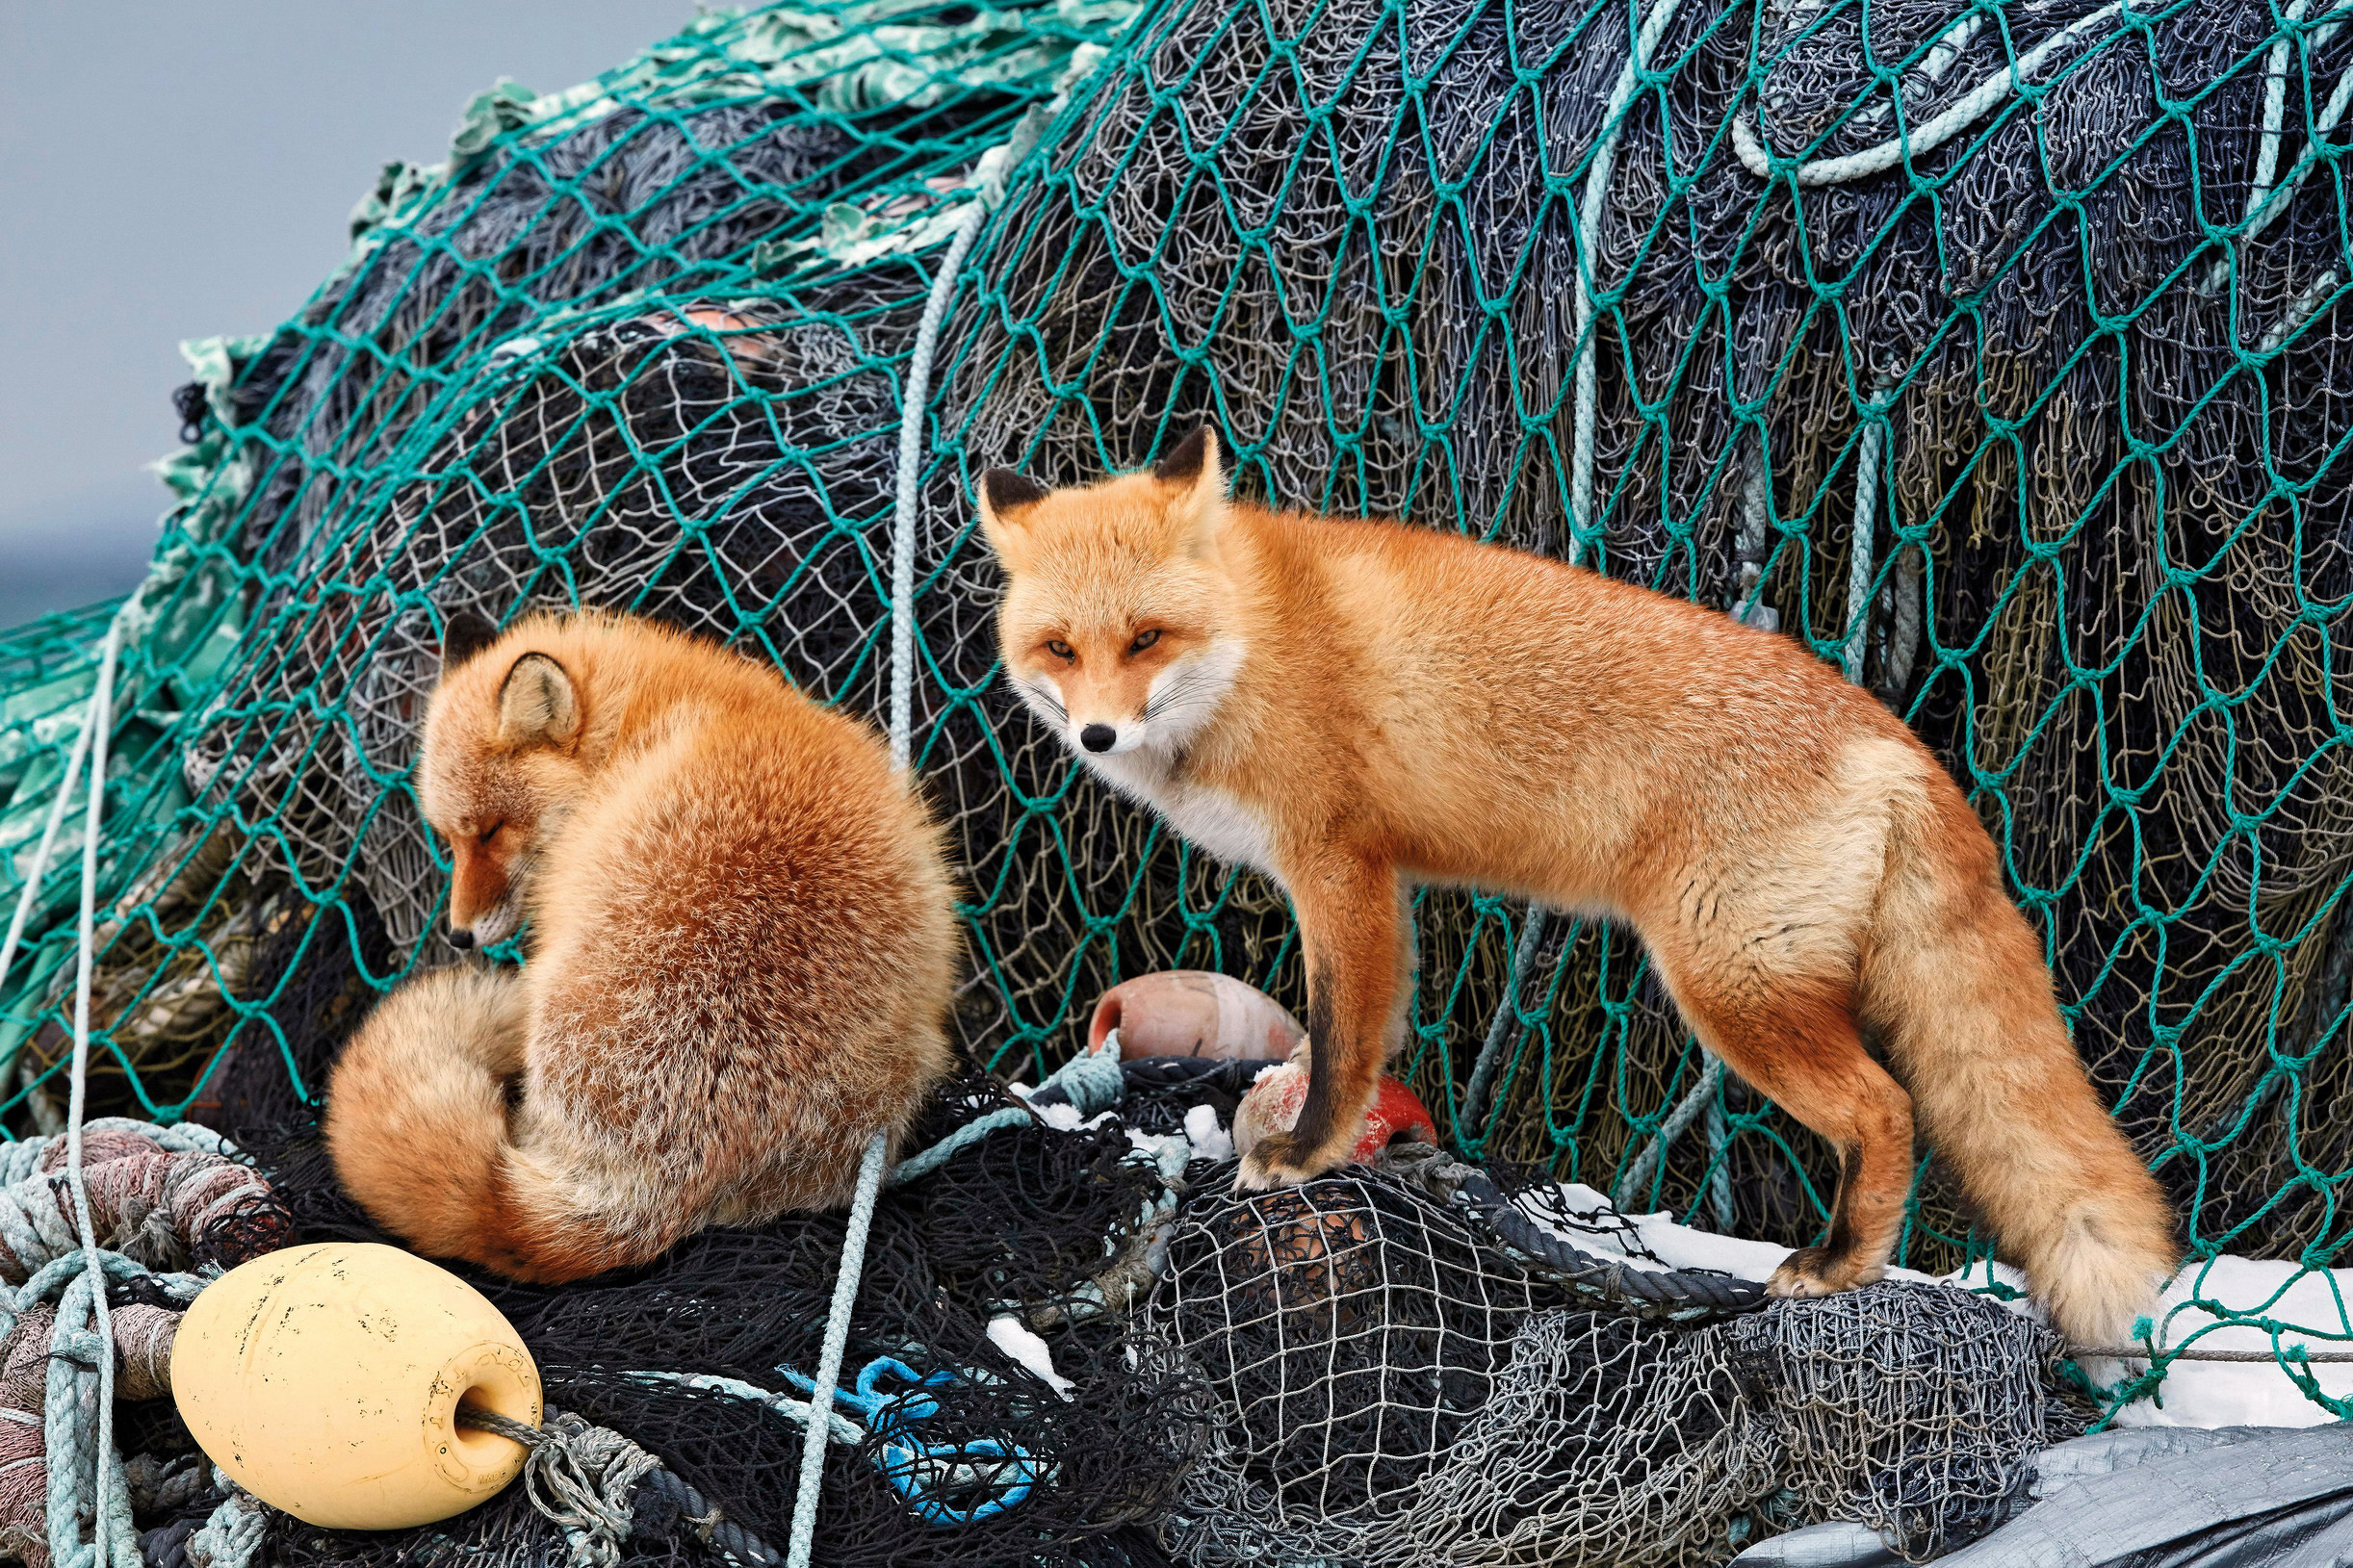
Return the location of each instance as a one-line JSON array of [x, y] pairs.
[[1954, 984], [417, 1112], [418, 1127]]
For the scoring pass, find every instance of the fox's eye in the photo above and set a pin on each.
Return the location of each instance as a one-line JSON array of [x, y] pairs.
[[488, 833], [1060, 649], [1143, 640]]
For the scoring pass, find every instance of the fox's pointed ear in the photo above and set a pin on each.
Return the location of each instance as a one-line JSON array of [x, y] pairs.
[[537, 705], [1196, 478], [464, 633], [1005, 499]]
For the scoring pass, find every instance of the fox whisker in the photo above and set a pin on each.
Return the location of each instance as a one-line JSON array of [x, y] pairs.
[[1047, 699]]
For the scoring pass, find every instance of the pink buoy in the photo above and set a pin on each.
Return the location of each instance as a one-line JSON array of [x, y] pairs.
[[1193, 1013], [1275, 1098]]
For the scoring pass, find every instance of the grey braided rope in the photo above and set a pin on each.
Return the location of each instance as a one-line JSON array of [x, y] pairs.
[[597, 1520], [231, 1537]]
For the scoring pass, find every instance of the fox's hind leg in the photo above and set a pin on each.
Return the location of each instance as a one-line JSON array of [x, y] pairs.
[[1798, 1046]]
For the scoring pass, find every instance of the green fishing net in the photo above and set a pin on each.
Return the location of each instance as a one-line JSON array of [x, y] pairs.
[[2002, 351]]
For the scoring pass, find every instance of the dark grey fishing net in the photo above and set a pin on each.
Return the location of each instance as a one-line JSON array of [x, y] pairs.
[[2036, 425]]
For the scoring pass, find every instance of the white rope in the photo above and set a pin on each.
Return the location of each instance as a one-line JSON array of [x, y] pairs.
[[2266, 200], [994, 166], [829, 1358], [2275, 107], [2331, 113], [1589, 243], [1974, 106], [104, 1545], [1482, 1089], [2300, 312], [39, 866], [232, 1535], [1859, 562], [910, 462], [1718, 1129], [2264, 204], [902, 729], [1629, 1189], [1749, 544], [841, 1428]]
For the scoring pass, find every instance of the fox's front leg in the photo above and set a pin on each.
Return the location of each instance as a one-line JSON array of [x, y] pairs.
[[1349, 919]]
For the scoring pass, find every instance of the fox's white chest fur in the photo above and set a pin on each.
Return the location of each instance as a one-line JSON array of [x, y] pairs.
[[1211, 819], [1142, 764]]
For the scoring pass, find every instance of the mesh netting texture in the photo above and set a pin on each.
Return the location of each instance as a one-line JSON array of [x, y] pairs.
[[2108, 579], [1394, 1388], [1376, 1368], [958, 1455], [1993, 351]]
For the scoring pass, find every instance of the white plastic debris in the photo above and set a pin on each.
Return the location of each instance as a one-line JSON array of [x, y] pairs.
[[1008, 1335]]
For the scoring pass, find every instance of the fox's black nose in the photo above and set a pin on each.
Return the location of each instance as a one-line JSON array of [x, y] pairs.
[[1097, 737], [460, 937]]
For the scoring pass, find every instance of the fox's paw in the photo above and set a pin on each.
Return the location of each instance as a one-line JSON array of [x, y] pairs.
[[1280, 1160], [1813, 1271]]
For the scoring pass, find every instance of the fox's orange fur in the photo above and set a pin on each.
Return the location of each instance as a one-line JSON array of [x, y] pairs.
[[1358, 706], [743, 948]]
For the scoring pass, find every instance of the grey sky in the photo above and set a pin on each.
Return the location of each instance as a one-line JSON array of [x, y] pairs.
[[173, 172]]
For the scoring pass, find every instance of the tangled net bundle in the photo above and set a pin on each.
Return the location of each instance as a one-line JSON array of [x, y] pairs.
[[950, 1452], [1394, 1388], [1996, 353], [1408, 1364]]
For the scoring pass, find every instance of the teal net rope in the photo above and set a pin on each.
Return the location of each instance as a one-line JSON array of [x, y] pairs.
[[2000, 352]]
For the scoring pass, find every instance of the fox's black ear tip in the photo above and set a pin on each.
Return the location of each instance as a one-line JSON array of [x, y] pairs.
[[1185, 460], [464, 633], [1006, 491]]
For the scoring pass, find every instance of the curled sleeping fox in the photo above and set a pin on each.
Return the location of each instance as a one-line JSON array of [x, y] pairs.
[[1354, 707], [744, 953]]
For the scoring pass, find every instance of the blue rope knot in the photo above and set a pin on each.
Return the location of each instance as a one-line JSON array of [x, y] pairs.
[[926, 1474]]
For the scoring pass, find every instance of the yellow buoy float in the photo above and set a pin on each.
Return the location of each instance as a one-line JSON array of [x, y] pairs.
[[325, 1380]]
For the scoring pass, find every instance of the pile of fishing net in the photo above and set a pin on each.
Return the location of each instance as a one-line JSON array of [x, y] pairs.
[[1398, 1382], [1999, 354], [2038, 436], [1074, 1342], [2038, 426], [948, 1450]]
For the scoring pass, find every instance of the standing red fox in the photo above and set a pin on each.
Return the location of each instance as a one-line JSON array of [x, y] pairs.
[[1357, 707], [744, 953]]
